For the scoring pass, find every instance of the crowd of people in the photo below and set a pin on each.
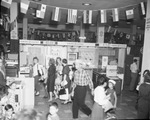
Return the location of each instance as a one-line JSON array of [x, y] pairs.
[[76, 81]]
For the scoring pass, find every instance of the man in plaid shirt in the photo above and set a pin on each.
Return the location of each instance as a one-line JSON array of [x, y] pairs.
[[81, 81]]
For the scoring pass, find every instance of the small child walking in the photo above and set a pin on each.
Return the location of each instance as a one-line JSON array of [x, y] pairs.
[[53, 109]]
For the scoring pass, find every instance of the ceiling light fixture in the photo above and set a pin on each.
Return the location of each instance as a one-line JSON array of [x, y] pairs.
[[86, 4]]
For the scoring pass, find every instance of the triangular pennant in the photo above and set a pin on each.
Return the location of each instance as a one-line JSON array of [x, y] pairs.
[[24, 6], [6, 3], [56, 14], [87, 16]]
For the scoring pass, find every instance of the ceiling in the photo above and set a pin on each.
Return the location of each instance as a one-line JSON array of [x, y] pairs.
[[95, 6]]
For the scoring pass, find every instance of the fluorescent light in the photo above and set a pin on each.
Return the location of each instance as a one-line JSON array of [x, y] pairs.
[[86, 4]]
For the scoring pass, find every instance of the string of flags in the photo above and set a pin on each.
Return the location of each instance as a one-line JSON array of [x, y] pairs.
[[73, 13]]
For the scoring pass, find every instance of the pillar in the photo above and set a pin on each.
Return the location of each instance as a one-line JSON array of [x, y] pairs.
[[82, 32], [25, 28], [146, 47]]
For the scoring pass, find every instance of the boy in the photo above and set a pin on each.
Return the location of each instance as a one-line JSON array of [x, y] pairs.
[[53, 109]]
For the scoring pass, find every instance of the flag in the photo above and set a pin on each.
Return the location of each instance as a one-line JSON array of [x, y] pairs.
[[115, 14], [142, 8], [103, 16], [56, 14], [6, 3], [24, 6], [14, 30], [109, 29], [41, 13], [87, 16], [130, 14], [115, 31], [72, 16]]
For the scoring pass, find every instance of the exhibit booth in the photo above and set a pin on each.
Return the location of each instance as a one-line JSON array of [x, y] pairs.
[[98, 58]]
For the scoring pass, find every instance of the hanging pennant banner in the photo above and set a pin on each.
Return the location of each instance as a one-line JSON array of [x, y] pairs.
[[72, 16], [115, 14], [56, 14], [87, 16], [103, 16], [24, 6], [41, 13], [130, 14], [6, 3]]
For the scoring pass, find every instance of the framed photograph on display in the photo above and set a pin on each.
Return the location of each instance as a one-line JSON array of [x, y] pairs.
[[72, 57]]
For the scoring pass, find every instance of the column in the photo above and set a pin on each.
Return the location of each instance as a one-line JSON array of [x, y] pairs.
[[146, 47], [82, 32], [25, 28]]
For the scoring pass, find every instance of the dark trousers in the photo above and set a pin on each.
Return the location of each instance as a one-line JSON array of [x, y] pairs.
[[144, 109], [133, 81], [36, 83], [79, 101]]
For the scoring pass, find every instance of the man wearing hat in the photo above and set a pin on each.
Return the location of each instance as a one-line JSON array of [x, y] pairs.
[[81, 81]]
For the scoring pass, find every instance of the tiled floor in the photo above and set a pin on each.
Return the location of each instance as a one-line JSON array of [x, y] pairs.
[[125, 108]]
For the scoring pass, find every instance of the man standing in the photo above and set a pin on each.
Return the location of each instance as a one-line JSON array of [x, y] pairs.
[[81, 81], [37, 74], [134, 73]]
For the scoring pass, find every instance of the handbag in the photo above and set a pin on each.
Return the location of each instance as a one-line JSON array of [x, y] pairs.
[[38, 71], [64, 94]]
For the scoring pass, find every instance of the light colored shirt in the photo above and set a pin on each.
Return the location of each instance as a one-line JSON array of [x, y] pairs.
[[55, 117], [37, 67], [82, 78], [133, 68], [100, 96]]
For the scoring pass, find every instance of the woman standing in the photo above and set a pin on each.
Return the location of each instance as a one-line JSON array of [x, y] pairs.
[[144, 97], [66, 79], [51, 78], [100, 99], [2, 74], [58, 80]]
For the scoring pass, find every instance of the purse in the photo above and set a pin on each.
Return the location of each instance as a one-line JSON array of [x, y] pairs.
[[62, 91], [38, 71], [64, 94]]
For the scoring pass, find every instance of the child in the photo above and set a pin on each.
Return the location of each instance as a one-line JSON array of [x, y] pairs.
[[53, 109], [9, 112], [11, 94], [113, 96]]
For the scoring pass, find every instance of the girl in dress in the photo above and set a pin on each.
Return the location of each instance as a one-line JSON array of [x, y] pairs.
[[100, 99], [113, 96]]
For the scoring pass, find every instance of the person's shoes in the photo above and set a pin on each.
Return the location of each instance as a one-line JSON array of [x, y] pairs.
[[37, 93]]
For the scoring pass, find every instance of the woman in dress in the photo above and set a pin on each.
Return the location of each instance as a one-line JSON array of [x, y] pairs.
[[51, 78], [144, 97], [66, 79], [58, 80], [2, 74]]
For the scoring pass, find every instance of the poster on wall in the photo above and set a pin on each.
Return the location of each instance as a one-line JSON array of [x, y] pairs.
[[72, 57], [104, 62], [58, 51]]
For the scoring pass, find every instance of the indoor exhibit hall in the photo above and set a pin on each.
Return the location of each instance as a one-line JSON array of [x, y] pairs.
[[74, 59]]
